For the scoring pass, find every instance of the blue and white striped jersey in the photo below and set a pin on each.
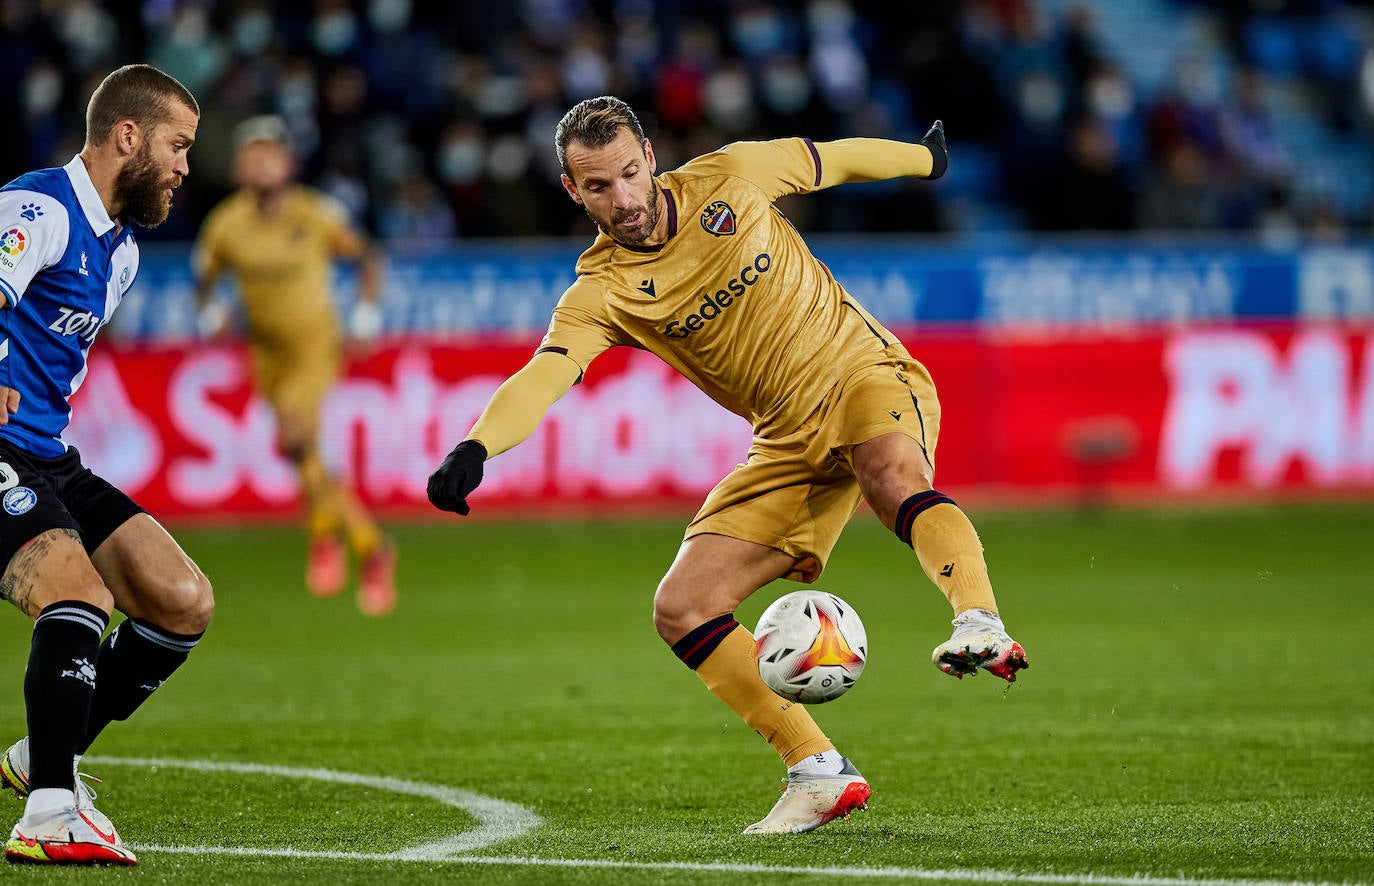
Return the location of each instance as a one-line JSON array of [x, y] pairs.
[[64, 267]]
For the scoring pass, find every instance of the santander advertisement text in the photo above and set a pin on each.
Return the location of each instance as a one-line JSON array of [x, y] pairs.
[[1193, 412]]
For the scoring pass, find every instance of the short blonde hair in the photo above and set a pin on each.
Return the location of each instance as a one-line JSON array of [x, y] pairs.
[[140, 93]]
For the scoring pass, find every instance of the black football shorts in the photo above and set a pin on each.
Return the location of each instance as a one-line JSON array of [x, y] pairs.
[[38, 494]]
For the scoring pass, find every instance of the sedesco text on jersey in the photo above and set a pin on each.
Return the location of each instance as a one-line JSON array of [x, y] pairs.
[[713, 304]]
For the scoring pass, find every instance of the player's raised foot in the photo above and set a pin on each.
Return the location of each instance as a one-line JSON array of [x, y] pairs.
[[14, 768], [980, 641], [326, 571], [67, 836], [810, 801], [377, 583]]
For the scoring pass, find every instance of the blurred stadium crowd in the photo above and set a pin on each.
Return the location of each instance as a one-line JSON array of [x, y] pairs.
[[433, 120]]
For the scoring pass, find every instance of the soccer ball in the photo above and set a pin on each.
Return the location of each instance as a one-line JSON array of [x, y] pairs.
[[811, 646]]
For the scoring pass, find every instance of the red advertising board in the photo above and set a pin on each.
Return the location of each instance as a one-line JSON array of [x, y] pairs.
[[1201, 411]]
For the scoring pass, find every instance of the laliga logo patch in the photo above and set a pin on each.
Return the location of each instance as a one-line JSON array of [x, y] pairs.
[[13, 244], [718, 219], [20, 500]]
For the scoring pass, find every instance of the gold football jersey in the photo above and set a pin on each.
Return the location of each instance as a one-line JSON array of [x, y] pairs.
[[734, 300], [284, 263]]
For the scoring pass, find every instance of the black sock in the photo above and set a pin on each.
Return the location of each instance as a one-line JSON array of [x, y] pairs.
[[58, 687], [135, 660]]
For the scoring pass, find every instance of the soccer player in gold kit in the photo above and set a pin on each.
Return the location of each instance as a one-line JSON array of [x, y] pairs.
[[280, 239], [698, 266]]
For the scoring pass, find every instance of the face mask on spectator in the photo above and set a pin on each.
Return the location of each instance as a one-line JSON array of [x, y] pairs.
[[252, 32], [389, 16], [461, 161]]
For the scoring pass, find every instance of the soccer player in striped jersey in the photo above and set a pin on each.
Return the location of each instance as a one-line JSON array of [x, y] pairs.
[[699, 267], [73, 548]]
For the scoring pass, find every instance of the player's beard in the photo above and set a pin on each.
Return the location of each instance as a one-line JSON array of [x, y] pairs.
[[141, 190], [640, 232]]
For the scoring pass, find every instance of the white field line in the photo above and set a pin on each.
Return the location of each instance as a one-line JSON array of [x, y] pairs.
[[500, 821], [865, 873]]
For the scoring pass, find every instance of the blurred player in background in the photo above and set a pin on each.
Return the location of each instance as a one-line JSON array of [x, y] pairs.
[[280, 240], [73, 547], [699, 267]]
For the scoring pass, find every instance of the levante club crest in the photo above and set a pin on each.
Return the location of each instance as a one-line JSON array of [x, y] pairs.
[[718, 219]]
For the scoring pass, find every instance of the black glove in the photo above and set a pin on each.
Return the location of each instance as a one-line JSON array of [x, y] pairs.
[[935, 140], [450, 486]]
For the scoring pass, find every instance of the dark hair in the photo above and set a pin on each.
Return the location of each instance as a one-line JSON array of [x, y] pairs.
[[140, 93], [595, 122]]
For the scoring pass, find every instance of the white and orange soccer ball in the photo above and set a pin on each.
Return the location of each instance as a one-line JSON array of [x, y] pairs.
[[811, 646]]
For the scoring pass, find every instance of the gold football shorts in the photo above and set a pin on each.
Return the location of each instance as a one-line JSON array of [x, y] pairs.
[[796, 492], [293, 376]]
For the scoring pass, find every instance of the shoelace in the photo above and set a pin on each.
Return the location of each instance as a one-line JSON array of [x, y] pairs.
[[85, 794]]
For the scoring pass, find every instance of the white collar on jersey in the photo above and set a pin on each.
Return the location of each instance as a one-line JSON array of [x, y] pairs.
[[88, 196]]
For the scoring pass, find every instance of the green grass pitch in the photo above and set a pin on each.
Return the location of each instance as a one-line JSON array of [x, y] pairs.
[[1198, 706]]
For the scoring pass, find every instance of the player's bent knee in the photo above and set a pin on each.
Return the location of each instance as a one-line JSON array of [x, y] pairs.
[[202, 608], [675, 615], [182, 605]]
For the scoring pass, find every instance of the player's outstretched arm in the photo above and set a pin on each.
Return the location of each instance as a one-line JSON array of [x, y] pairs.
[[512, 414], [875, 159]]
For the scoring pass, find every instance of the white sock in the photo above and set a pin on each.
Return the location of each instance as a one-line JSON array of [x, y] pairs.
[[43, 802], [825, 763], [978, 617]]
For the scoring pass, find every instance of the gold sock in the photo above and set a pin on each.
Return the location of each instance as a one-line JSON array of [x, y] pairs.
[[362, 532], [322, 511], [334, 509], [732, 674], [950, 553]]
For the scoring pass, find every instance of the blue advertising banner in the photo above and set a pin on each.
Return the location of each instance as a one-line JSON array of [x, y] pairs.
[[512, 287]]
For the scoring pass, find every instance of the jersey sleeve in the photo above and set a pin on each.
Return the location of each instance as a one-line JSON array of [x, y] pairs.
[[344, 241], [871, 159], [206, 259], [34, 232], [580, 329], [780, 167]]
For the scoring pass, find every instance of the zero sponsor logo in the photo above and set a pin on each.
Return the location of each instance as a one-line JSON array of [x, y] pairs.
[[714, 303], [14, 242], [20, 500], [79, 323]]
